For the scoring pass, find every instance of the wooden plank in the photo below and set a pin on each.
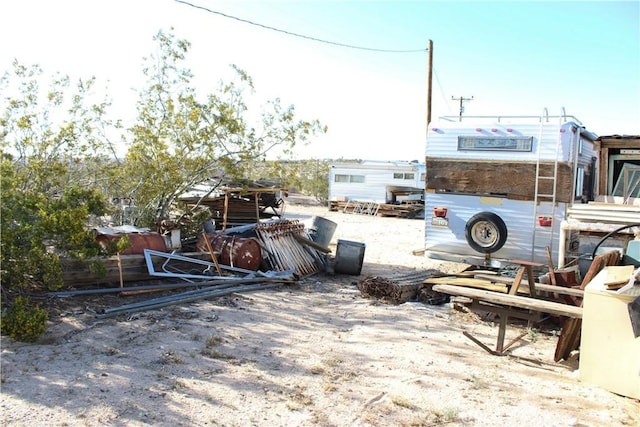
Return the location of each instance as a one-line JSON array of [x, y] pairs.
[[311, 243], [539, 286], [505, 311], [527, 263], [134, 267], [512, 300], [569, 339], [468, 282], [476, 273]]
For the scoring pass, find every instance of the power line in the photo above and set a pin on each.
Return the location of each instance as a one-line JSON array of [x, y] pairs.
[[246, 21], [444, 98]]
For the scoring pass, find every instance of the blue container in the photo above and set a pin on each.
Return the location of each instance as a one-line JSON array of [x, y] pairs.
[[349, 257]]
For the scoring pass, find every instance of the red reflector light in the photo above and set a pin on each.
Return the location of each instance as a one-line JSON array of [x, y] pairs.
[[440, 212], [545, 221]]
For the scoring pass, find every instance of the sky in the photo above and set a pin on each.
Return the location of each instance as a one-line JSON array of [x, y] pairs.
[[511, 57]]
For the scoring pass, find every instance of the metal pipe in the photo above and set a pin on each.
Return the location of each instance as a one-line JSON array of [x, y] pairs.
[[152, 304]]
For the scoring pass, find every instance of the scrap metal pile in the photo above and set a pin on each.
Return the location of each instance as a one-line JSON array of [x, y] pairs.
[[259, 256], [278, 245], [287, 244]]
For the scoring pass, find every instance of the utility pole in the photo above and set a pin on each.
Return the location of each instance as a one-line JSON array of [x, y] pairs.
[[462, 100]]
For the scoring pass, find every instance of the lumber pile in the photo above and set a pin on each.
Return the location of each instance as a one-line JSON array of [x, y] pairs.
[[408, 209], [239, 211]]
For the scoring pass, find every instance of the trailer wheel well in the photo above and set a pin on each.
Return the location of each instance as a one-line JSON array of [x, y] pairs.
[[486, 232]]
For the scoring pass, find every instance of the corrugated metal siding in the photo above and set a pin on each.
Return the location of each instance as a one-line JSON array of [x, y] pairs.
[[517, 215]]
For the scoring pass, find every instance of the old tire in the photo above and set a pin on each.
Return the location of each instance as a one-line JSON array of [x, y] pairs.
[[486, 232]]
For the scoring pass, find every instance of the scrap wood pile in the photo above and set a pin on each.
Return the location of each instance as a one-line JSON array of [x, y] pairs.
[[233, 204], [397, 289], [409, 209], [237, 210]]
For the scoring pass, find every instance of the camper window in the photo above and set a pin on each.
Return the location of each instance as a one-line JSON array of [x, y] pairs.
[[349, 178], [495, 143], [579, 181], [401, 175]]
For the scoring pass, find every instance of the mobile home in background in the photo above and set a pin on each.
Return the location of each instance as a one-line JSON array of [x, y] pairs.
[[378, 182]]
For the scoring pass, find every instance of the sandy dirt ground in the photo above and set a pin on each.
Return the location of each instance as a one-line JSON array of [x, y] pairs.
[[315, 353]]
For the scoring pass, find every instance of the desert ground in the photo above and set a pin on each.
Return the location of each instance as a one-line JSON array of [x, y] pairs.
[[315, 353]]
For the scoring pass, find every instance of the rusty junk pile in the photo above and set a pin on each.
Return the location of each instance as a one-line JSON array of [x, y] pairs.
[[246, 258]]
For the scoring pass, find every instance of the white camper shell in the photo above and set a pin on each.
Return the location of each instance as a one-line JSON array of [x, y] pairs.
[[498, 188]]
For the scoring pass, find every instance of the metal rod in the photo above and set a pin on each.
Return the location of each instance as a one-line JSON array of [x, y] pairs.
[[151, 304], [229, 280]]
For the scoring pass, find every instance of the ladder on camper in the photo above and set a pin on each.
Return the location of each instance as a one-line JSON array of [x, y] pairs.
[[543, 219]]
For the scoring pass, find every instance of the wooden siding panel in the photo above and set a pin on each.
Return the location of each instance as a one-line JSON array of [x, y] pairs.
[[514, 179]]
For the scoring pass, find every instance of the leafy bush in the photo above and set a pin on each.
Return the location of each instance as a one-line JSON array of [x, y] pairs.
[[37, 229], [23, 321]]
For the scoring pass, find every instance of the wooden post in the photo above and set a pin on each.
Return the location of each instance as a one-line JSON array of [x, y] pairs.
[[257, 199], [120, 270], [226, 209]]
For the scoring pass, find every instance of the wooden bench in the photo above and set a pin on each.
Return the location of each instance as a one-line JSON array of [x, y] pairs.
[[518, 301], [504, 305], [511, 304]]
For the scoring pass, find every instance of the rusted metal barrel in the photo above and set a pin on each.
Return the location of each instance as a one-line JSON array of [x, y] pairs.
[[234, 251], [139, 242]]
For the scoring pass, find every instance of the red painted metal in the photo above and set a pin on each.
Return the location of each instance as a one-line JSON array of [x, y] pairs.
[[139, 242]]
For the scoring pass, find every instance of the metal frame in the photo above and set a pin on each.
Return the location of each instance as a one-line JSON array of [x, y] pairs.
[[210, 266]]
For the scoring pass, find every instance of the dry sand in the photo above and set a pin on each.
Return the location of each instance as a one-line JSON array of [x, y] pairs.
[[313, 354]]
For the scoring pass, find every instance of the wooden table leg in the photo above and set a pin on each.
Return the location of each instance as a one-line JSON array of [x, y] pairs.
[[502, 330], [532, 282], [475, 340], [516, 280], [526, 267]]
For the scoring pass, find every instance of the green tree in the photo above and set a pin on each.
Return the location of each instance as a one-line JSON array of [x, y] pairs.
[[48, 137], [181, 139]]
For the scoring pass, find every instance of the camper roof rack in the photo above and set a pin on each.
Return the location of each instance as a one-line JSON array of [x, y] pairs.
[[498, 118]]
